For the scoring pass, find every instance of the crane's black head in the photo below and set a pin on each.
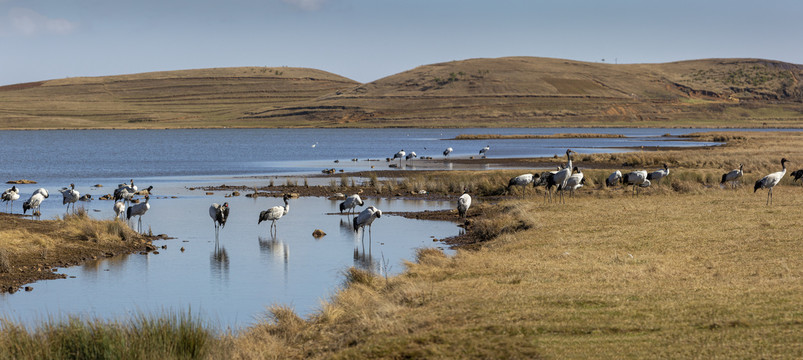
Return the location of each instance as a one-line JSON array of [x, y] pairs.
[[25, 207], [784, 160], [342, 206], [576, 169], [262, 216], [150, 188], [757, 186], [14, 188], [225, 204], [666, 167]]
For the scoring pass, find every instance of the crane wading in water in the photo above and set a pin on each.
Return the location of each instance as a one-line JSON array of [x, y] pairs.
[[275, 213]]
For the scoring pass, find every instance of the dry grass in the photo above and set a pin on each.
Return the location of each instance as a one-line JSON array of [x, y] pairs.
[[705, 273]]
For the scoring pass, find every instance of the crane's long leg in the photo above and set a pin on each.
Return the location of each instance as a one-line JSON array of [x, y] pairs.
[[769, 197]]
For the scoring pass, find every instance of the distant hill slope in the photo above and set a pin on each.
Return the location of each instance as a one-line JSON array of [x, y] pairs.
[[513, 91], [185, 98]]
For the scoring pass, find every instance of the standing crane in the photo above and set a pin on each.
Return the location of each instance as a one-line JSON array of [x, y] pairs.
[[219, 215], [366, 217], [138, 210], [769, 181], [275, 213], [399, 155], [119, 209], [522, 180], [350, 203], [562, 176], [484, 150], [33, 203], [659, 174], [43, 192], [575, 181], [447, 152], [9, 196], [635, 178], [734, 175], [411, 156], [70, 196], [463, 203]]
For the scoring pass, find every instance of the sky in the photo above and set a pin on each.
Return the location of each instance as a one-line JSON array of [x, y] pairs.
[[366, 40]]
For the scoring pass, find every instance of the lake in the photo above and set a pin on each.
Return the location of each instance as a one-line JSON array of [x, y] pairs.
[[232, 281]]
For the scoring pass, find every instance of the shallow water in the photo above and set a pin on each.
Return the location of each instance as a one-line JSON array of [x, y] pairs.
[[232, 281]]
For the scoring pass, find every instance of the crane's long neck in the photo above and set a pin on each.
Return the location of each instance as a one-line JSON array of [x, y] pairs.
[[286, 207], [569, 164]]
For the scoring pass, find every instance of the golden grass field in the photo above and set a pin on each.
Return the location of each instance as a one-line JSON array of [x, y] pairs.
[[685, 270], [496, 92]]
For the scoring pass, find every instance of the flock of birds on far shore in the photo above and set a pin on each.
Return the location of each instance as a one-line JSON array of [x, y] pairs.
[[564, 177]]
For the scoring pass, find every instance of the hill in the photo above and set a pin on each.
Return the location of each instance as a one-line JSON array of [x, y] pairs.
[[513, 91], [170, 99]]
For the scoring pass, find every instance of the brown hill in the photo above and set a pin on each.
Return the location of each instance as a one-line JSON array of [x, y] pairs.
[[170, 99], [525, 91], [514, 91]]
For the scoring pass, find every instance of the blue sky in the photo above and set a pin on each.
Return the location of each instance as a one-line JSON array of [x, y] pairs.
[[369, 39]]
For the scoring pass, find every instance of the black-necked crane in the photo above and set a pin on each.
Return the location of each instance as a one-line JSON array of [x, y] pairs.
[[219, 214], [575, 181], [70, 196], [119, 209], [351, 203], [635, 178], [11, 195], [659, 174], [463, 203], [125, 192], [275, 213], [366, 217], [734, 175], [399, 155], [797, 174], [43, 192], [33, 203], [447, 152], [522, 180], [138, 210], [769, 181], [547, 180], [484, 150], [613, 179], [563, 175], [410, 156]]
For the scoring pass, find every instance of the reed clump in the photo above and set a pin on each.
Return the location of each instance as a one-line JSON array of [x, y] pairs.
[[173, 336]]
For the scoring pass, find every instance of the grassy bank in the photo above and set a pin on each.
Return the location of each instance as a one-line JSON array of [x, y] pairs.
[[29, 249], [686, 270]]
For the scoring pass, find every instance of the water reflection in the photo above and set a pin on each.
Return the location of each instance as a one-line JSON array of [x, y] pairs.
[[219, 262], [347, 227], [364, 260], [274, 249]]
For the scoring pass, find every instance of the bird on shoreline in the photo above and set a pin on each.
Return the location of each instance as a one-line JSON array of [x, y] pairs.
[[275, 213], [9, 196], [463, 203], [70, 196], [769, 181], [447, 152], [33, 203], [484, 150], [138, 210], [119, 209]]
